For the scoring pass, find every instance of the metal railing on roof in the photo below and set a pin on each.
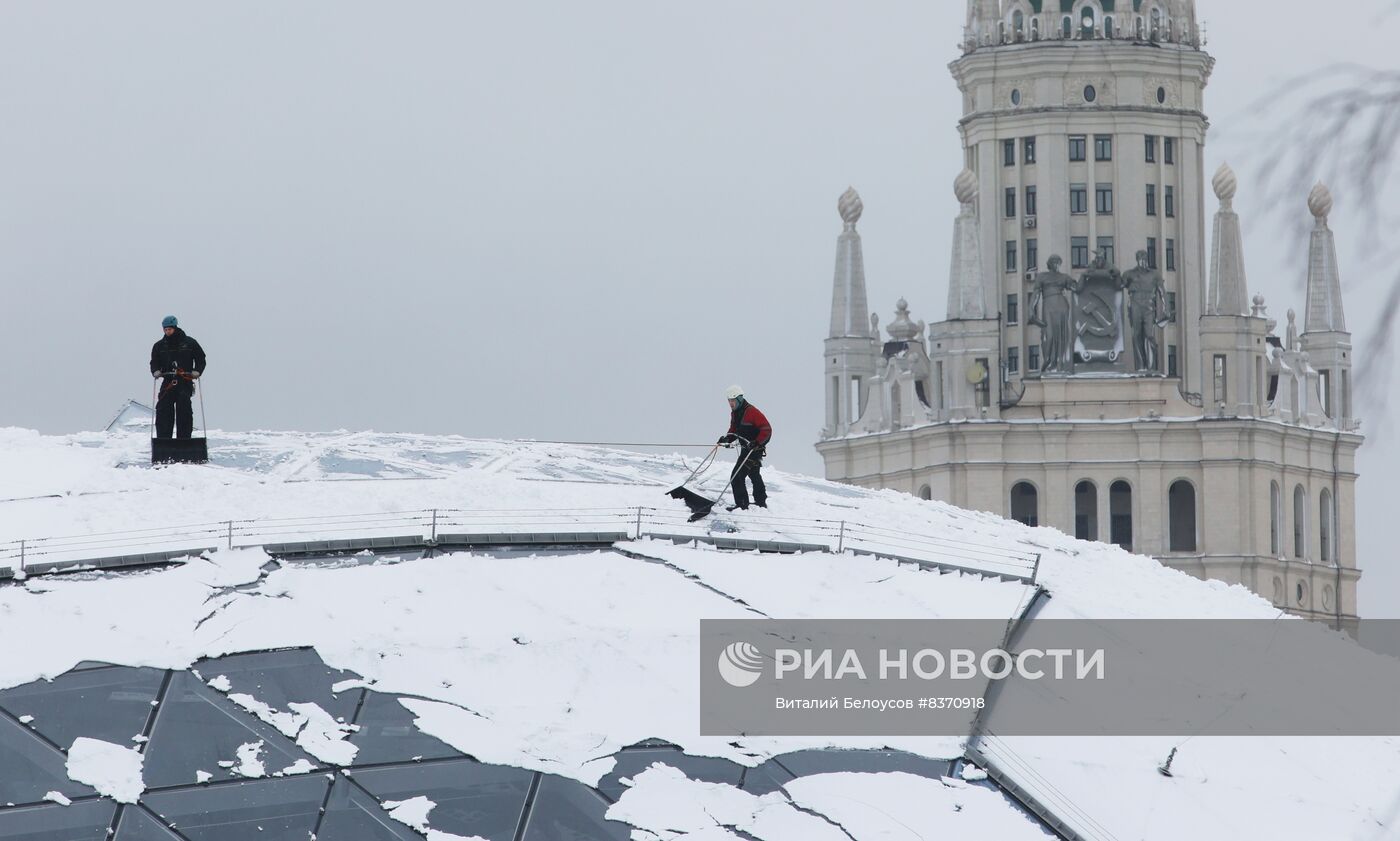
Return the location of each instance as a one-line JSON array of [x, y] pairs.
[[450, 528]]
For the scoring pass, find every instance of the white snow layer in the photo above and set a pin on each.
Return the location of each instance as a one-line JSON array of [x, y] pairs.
[[904, 807], [554, 663], [112, 770]]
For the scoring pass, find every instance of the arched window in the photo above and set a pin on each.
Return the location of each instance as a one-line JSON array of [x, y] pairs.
[[1108, 26], [1181, 500], [1018, 24], [1275, 520], [1156, 24], [1120, 514], [1025, 504], [1086, 511], [1088, 23], [1140, 28], [1035, 29], [1324, 525], [1067, 27], [1300, 522], [926, 492]]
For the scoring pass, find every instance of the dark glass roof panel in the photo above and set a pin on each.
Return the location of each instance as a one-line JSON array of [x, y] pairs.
[[136, 824], [387, 734], [279, 678], [31, 768], [108, 704], [352, 815], [567, 810], [472, 798], [634, 761], [197, 728], [808, 762], [79, 822], [267, 810]]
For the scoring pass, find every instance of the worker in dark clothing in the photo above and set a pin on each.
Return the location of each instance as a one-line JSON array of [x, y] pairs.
[[177, 361], [751, 430]]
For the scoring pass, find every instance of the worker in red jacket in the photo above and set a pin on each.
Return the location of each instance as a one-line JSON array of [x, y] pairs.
[[749, 428]]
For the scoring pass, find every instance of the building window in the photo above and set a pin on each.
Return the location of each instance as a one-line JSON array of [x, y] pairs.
[[1018, 24], [1151, 199], [1078, 198], [984, 390], [1171, 361], [1013, 309], [926, 493], [1152, 252], [1151, 148], [1324, 525], [1103, 199], [1346, 393], [1171, 255], [1028, 150], [1105, 244], [1033, 358], [1078, 147], [1120, 514], [1010, 202], [1090, 93], [1275, 520], [1103, 147], [1086, 511], [1218, 373], [1016, 97], [1013, 360], [1030, 201], [1168, 150], [1324, 383], [938, 386], [1079, 252], [1169, 201], [1181, 500], [1011, 249], [1171, 307], [1067, 27], [1300, 522], [1024, 504], [1032, 254], [1108, 26], [1008, 153]]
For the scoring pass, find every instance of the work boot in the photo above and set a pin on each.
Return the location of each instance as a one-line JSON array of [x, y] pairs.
[[737, 508]]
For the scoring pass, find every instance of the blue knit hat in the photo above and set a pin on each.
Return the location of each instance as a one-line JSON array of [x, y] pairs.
[[169, 321]]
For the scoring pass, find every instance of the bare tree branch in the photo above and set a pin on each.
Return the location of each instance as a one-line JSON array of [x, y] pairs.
[[1341, 125]]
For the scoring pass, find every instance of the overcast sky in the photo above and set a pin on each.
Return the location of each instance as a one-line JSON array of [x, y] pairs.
[[538, 219]]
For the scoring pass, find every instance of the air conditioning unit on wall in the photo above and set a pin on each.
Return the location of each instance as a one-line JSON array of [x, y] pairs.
[[1030, 221]]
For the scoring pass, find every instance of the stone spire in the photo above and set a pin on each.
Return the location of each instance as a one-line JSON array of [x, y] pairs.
[[1324, 313], [1229, 293], [966, 296], [850, 312]]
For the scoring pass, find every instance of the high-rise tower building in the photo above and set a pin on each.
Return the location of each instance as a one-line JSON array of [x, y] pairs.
[[1098, 370]]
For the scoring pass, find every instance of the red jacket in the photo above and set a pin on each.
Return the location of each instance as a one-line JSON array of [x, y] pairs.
[[748, 422]]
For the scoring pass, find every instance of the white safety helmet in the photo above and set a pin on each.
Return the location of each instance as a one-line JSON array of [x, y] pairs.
[[734, 392]]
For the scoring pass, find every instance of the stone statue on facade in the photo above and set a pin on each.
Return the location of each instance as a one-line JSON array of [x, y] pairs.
[[1050, 311], [1098, 315], [1147, 313]]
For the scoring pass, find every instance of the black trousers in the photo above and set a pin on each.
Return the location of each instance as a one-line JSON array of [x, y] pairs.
[[747, 467], [174, 409]]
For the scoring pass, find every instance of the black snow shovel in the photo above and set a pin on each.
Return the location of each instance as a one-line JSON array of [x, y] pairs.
[[701, 507], [192, 450]]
